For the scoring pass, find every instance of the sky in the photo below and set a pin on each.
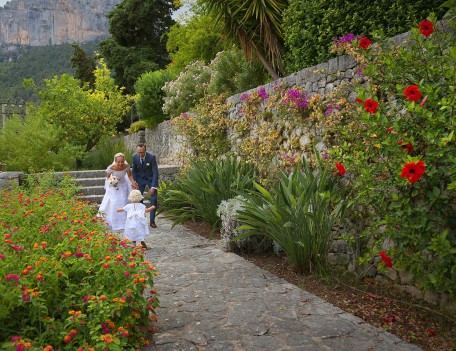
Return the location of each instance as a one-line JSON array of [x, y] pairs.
[[3, 2]]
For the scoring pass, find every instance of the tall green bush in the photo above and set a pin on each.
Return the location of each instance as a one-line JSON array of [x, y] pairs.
[[310, 25], [149, 87], [298, 214], [196, 194]]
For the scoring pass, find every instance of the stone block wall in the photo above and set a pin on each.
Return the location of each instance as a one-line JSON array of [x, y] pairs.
[[169, 147]]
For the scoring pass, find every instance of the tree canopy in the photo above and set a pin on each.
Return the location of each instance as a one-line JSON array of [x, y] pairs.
[[137, 44]]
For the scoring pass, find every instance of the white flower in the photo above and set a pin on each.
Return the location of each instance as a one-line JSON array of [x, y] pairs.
[[113, 181], [147, 164]]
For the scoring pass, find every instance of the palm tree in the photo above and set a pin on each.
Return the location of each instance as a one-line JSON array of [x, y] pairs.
[[256, 25]]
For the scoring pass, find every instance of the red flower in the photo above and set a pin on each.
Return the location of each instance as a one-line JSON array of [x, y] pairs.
[[340, 168], [412, 93], [413, 171], [426, 27], [389, 130], [430, 332], [364, 43], [370, 106], [408, 147], [359, 101], [386, 259]]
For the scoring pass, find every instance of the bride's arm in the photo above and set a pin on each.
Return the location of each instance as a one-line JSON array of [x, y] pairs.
[[133, 183]]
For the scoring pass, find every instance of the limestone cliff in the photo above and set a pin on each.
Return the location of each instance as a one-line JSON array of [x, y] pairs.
[[50, 22]]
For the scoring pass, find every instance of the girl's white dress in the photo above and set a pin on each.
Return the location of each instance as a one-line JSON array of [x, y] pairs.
[[136, 225], [114, 198]]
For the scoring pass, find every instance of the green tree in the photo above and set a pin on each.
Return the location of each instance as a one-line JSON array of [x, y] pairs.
[[193, 41], [84, 115], [84, 66], [137, 44], [149, 88], [256, 25], [310, 25]]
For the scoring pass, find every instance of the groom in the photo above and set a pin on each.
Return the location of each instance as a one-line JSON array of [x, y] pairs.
[[145, 172]]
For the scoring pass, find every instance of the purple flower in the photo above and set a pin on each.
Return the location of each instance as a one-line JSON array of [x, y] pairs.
[[347, 38], [262, 92], [331, 109], [326, 155], [297, 97], [245, 96]]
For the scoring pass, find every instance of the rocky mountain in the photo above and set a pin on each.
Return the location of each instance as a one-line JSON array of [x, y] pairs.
[[51, 22]]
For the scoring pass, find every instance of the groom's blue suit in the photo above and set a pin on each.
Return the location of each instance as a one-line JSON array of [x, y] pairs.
[[146, 173]]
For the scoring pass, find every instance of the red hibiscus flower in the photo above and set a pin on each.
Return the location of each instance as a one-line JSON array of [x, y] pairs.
[[413, 171], [386, 259], [408, 147], [426, 27], [359, 101], [340, 168], [364, 43], [370, 106], [412, 93]]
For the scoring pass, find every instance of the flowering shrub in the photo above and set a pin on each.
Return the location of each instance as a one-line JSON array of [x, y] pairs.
[[66, 283], [183, 93], [206, 130], [272, 129], [397, 145]]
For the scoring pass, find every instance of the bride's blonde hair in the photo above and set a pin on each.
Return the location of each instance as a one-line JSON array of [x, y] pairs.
[[119, 154]]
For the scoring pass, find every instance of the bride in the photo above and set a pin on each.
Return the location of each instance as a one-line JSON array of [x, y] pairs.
[[118, 185]]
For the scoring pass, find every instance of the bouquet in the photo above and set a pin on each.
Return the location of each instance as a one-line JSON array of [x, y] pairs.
[[113, 181]]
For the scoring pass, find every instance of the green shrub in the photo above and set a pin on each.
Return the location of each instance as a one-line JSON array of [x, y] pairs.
[[298, 214], [149, 87], [196, 194], [36, 145], [398, 145], [233, 74], [310, 25], [103, 154], [67, 283], [137, 126], [183, 93]]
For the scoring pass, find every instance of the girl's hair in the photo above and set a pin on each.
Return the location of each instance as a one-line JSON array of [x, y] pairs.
[[135, 196]]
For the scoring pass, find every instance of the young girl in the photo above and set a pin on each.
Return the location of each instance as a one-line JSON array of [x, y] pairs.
[[136, 226]]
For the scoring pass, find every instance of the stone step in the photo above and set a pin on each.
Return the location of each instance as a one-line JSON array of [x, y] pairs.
[[99, 173], [100, 181], [93, 190]]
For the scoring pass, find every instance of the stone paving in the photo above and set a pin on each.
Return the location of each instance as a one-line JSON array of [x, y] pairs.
[[213, 300]]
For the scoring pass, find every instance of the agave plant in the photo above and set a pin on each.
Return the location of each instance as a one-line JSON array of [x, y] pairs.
[[298, 214], [197, 193]]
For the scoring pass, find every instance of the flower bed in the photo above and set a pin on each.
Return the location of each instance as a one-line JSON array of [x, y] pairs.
[[65, 282]]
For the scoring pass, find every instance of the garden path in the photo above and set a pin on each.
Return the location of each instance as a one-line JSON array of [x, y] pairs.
[[213, 300]]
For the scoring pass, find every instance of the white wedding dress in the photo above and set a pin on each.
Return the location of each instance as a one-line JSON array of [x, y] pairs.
[[114, 198]]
